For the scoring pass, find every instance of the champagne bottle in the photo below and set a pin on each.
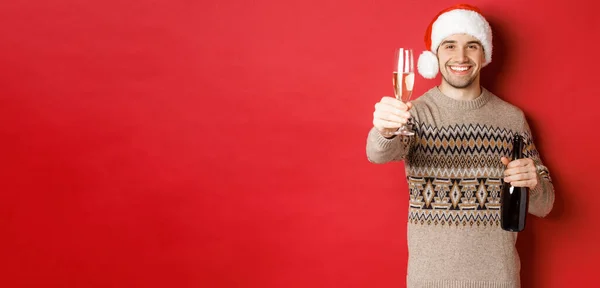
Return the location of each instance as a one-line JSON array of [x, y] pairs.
[[514, 199]]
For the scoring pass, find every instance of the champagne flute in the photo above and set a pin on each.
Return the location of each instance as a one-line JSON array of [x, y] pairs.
[[404, 80]]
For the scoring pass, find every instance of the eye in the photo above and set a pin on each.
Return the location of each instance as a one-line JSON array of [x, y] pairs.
[[473, 46], [449, 46]]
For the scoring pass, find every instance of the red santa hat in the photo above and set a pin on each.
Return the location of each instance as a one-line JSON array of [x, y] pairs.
[[458, 19]]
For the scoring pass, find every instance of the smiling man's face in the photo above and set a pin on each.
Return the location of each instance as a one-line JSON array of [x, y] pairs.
[[461, 57]]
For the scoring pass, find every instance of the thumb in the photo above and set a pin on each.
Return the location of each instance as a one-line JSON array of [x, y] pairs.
[[409, 105], [505, 161]]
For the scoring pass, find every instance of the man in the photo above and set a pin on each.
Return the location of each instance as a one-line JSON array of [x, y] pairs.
[[457, 159]]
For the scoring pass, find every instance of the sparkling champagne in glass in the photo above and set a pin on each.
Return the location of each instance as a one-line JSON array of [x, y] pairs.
[[403, 80]]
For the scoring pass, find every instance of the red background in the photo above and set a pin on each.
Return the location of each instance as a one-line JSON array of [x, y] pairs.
[[222, 144]]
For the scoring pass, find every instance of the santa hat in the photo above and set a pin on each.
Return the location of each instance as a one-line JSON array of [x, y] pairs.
[[458, 19]]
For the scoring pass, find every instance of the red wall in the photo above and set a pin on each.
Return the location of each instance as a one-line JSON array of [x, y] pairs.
[[196, 144]]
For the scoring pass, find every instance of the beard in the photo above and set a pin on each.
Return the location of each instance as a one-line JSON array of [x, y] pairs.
[[458, 82]]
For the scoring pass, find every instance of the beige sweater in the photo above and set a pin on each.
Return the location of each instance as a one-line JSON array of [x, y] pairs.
[[454, 177]]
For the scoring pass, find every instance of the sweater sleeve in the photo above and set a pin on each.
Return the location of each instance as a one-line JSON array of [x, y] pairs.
[[541, 198], [381, 150]]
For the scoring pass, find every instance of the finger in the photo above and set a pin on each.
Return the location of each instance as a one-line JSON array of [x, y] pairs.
[[515, 163], [398, 109], [394, 102], [409, 105], [388, 107], [519, 170], [380, 123], [520, 177], [504, 161], [387, 116], [382, 107], [520, 163]]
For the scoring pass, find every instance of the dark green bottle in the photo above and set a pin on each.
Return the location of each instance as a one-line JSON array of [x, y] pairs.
[[514, 200]]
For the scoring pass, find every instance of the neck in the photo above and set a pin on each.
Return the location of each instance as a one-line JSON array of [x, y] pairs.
[[468, 93]]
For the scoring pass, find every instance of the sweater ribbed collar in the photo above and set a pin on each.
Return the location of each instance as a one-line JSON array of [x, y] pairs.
[[444, 100]]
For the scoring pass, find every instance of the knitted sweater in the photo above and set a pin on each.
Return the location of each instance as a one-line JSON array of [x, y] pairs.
[[454, 176]]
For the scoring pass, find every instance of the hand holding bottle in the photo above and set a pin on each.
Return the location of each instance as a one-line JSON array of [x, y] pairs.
[[520, 172]]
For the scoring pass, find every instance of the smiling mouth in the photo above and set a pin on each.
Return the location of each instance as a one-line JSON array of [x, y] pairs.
[[460, 69]]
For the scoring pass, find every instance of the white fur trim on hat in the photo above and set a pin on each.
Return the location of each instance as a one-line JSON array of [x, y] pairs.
[[460, 21], [428, 65]]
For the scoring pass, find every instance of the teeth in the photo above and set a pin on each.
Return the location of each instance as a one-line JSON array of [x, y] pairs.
[[459, 68]]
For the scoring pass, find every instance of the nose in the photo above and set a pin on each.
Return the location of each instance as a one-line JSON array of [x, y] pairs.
[[461, 56]]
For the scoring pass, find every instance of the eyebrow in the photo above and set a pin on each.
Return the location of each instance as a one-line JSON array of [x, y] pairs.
[[454, 42], [448, 42]]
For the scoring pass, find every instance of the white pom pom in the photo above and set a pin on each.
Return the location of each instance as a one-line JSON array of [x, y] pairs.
[[428, 65]]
